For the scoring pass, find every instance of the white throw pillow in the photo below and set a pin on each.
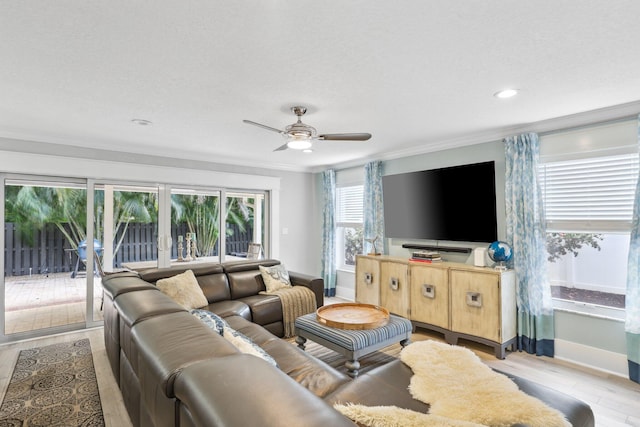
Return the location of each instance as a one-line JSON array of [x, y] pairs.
[[276, 277], [184, 289]]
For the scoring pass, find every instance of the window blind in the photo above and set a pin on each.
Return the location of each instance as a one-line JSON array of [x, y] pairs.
[[349, 205], [589, 195]]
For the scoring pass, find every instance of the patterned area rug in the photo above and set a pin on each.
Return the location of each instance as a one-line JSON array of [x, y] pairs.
[[53, 386], [336, 360]]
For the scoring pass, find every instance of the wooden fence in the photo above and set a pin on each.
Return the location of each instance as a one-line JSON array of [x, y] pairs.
[[51, 252]]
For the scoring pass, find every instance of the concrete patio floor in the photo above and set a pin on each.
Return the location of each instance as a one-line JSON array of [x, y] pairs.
[[45, 301]]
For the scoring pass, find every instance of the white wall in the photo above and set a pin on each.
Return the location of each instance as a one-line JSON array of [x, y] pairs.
[[300, 244]]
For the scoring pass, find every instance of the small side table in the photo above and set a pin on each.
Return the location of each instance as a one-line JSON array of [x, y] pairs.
[[353, 344]]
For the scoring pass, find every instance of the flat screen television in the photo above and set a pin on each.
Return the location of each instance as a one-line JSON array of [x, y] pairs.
[[455, 203]]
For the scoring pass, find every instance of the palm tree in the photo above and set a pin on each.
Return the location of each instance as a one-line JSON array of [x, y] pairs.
[[128, 207], [201, 213], [31, 207]]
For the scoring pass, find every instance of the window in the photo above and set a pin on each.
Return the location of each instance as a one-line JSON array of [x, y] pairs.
[[349, 227], [588, 201]]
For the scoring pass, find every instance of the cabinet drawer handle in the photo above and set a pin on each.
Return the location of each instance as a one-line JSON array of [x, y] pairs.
[[394, 283], [428, 291], [368, 278], [474, 299]]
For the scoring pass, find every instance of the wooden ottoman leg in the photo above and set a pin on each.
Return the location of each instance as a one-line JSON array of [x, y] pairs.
[[352, 368], [300, 341]]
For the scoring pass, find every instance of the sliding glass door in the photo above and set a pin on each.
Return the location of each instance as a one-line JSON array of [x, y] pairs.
[[197, 216], [126, 224], [45, 265], [245, 232], [53, 262]]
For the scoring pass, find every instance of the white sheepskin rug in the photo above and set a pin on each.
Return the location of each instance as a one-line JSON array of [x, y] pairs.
[[392, 416], [459, 388]]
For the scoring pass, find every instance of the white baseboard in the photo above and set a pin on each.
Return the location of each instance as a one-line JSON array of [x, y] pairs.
[[592, 357], [343, 292]]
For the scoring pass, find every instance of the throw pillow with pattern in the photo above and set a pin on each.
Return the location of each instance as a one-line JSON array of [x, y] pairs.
[[276, 277], [210, 319]]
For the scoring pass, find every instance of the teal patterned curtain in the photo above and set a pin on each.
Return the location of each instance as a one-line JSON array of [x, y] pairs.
[[526, 234], [373, 209], [632, 299], [329, 232]]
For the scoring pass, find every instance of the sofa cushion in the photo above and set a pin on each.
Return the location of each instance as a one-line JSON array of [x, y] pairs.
[[275, 277], [230, 308], [215, 286], [265, 309], [245, 391], [382, 386], [257, 333], [115, 284], [152, 275], [166, 344], [245, 278], [184, 289]]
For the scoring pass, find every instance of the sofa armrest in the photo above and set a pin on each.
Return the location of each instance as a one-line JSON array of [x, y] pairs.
[[316, 284]]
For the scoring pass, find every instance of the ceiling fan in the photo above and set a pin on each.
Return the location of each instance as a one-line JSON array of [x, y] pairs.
[[300, 136]]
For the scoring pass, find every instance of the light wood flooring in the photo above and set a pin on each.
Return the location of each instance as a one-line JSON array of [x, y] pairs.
[[615, 400]]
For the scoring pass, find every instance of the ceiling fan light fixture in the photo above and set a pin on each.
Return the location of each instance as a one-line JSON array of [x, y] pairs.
[[299, 143]]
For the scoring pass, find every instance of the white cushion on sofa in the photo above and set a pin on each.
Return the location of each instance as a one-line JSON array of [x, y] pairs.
[[184, 289]]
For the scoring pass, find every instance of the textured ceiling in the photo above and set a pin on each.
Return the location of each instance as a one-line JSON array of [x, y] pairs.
[[418, 75]]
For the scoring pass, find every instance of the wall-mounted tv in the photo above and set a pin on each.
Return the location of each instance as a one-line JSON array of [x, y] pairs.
[[455, 203]]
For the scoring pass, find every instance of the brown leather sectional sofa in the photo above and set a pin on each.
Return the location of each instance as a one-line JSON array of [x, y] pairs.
[[173, 370]]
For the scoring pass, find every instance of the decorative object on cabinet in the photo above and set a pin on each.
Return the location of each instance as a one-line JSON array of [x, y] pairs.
[[500, 252], [180, 248], [479, 255], [374, 250], [188, 245]]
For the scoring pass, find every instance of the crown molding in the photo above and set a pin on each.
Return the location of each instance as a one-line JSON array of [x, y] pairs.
[[588, 118]]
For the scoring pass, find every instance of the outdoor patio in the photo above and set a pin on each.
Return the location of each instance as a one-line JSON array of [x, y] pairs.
[[44, 301]]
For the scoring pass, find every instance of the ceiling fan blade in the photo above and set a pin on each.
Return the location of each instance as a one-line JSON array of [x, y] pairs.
[[345, 136], [263, 126], [282, 147]]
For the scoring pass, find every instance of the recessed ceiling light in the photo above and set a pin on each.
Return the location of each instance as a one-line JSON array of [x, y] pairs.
[[507, 93], [141, 122]]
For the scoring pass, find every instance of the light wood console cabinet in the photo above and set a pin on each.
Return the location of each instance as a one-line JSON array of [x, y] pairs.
[[394, 287], [457, 300], [368, 280]]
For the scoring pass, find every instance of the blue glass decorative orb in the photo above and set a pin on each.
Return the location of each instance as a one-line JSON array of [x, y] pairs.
[[500, 252]]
